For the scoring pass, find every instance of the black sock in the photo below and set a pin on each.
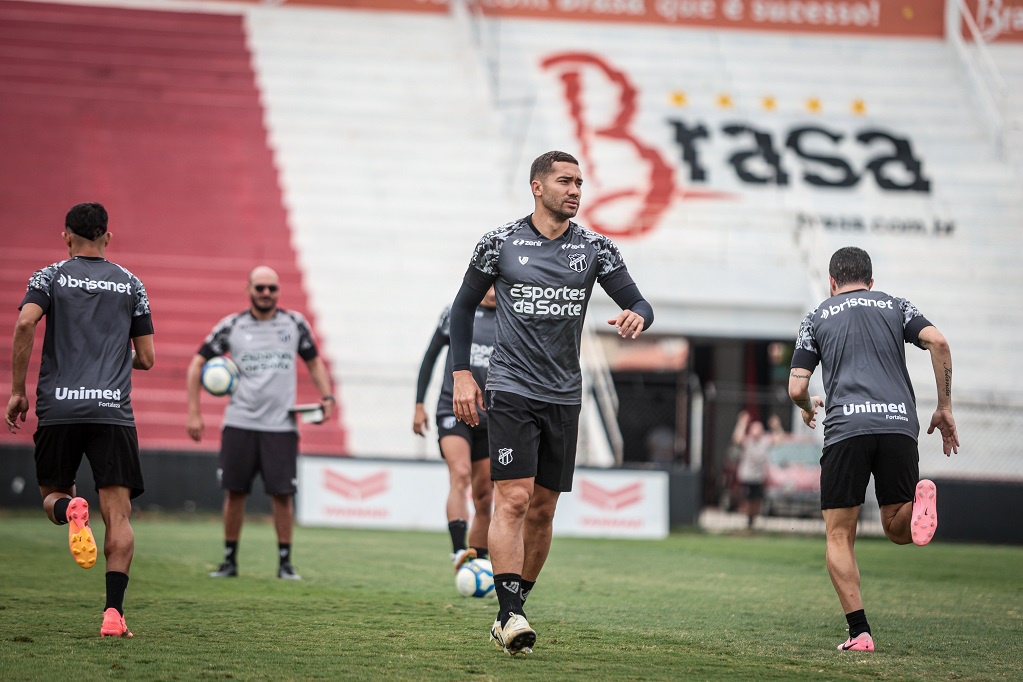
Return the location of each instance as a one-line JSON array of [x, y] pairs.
[[481, 552], [527, 587], [60, 510], [509, 595], [117, 583], [857, 623], [457, 528], [231, 551], [284, 550]]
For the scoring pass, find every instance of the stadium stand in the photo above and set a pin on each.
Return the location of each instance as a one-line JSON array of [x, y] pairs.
[[156, 115], [401, 137]]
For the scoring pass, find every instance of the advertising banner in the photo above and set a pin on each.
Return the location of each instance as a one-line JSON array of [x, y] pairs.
[[998, 20], [402, 495], [870, 17]]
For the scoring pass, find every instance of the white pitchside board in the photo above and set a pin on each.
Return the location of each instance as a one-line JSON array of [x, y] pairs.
[[404, 495]]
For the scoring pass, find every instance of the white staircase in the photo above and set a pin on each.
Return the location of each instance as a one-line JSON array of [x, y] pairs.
[[390, 162]]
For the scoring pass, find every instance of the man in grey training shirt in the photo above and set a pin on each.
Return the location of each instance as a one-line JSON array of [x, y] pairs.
[[98, 328], [543, 267], [859, 337], [259, 434]]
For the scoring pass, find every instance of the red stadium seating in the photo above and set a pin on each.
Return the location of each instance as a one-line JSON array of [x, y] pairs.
[[157, 116]]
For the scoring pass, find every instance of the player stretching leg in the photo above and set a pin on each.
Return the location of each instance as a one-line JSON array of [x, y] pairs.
[[83, 400], [858, 336]]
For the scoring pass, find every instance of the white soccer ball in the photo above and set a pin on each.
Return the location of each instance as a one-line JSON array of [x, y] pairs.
[[475, 579], [220, 376]]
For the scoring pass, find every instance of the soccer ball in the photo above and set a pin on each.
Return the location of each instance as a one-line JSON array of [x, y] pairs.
[[220, 376], [475, 579]]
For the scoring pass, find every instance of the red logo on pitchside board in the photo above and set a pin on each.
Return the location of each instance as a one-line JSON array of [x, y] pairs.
[[610, 500], [358, 489]]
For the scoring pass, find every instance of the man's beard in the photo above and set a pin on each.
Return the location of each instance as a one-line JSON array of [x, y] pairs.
[[556, 208], [260, 307]]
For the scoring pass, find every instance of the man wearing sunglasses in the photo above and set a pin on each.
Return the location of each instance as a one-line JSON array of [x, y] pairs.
[[259, 433]]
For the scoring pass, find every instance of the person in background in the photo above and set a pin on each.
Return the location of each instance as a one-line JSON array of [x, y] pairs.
[[753, 444], [465, 450], [259, 435], [98, 329]]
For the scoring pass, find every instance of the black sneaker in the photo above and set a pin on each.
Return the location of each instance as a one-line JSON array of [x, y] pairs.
[[225, 570], [287, 572]]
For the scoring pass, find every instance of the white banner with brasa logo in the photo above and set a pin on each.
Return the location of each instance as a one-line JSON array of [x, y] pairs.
[[404, 495]]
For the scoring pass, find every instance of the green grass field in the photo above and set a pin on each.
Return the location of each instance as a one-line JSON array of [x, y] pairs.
[[382, 605]]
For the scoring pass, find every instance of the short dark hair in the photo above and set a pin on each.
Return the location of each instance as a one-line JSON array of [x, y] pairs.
[[851, 265], [544, 164], [87, 220]]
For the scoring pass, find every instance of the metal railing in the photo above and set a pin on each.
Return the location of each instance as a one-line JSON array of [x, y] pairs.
[[983, 73]]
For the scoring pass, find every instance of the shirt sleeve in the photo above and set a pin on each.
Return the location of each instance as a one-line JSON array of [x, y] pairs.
[[437, 344], [307, 349], [218, 341], [463, 315], [913, 322], [806, 354]]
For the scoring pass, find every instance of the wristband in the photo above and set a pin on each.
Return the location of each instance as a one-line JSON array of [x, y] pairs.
[[326, 398]]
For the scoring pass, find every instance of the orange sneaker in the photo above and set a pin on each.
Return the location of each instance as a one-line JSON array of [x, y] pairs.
[[113, 625], [80, 538]]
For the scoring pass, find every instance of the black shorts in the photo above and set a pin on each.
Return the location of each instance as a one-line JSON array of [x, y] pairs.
[[112, 450], [532, 439], [753, 491], [273, 454], [475, 436], [846, 467]]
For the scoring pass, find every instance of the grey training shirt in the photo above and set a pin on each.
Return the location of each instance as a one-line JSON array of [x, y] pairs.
[[859, 337], [543, 287], [93, 309], [267, 353]]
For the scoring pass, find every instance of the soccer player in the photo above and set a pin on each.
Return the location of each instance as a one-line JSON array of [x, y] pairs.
[[464, 449], [543, 267], [259, 434], [98, 328], [858, 336]]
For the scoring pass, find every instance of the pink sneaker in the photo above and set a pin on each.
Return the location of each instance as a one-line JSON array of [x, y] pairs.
[[80, 538], [925, 513], [862, 642], [113, 625]]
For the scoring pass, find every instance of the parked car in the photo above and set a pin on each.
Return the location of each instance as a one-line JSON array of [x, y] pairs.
[[793, 486]]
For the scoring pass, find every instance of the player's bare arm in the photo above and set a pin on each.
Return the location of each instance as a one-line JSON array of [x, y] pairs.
[[195, 425], [321, 378], [941, 362], [799, 392], [143, 354], [24, 338], [467, 398]]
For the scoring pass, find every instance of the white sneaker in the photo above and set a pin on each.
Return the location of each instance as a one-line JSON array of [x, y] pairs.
[[462, 556], [517, 636]]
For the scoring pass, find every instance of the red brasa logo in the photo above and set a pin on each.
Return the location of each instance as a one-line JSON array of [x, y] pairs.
[[610, 500], [356, 489]]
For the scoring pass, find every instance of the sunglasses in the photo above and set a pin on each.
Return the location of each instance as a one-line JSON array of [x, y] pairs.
[[272, 288]]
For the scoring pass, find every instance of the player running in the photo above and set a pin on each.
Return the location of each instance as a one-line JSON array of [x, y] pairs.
[[543, 267], [98, 328], [858, 336]]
